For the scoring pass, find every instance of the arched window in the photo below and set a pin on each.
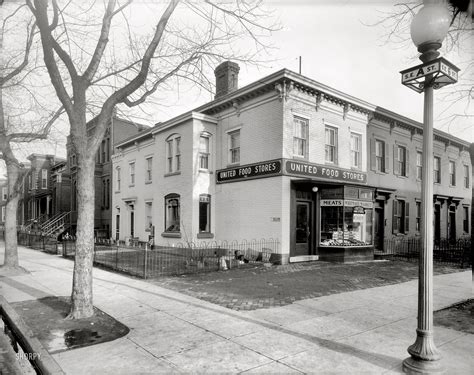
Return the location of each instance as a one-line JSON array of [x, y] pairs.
[[172, 213]]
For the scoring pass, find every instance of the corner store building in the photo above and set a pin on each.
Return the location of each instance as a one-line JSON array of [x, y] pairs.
[[283, 158]]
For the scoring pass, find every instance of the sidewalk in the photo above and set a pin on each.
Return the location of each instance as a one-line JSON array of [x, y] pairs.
[[360, 332]]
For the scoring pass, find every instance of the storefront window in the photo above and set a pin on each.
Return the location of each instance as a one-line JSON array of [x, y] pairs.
[[347, 221]]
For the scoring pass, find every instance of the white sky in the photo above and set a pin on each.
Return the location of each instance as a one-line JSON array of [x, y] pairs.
[[339, 50]]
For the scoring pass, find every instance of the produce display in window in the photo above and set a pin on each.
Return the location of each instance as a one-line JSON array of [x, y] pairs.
[[346, 226]]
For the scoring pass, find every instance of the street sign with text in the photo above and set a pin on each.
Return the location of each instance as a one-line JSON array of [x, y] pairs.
[[441, 70]]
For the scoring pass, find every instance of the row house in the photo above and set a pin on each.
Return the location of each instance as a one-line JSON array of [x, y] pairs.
[[286, 158], [36, 202], [395, 169], [117, 130]]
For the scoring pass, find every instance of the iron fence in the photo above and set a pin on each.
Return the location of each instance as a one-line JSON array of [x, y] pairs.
[[148, 262], [445, 251], [38, 241]]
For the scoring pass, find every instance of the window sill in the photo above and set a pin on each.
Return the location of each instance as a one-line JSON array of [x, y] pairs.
[[233, 164], [117, 191], [131, 185], [148, 182], [172, 174], [171, 234], [205, 235], [202, 170], [299, 157]]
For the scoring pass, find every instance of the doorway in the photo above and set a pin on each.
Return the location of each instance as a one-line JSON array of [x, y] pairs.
[[452, 223], [303, 229], [379, 223]]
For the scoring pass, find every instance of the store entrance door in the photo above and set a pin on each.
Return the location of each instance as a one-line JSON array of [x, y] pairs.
[[303, 229], [379, 228]]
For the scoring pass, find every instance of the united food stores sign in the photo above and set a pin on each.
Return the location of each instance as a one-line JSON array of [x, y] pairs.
[[442, 71], [289, 167]]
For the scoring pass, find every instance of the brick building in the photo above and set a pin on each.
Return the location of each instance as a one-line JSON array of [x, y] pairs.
[[286, 158], [36, 202], [117, 130]]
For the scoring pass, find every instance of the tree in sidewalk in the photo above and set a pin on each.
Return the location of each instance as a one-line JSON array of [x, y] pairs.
[[460, 38], [20, 113], [92, 76]]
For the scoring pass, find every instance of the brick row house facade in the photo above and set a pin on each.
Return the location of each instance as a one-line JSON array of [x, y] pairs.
[[327, 175]]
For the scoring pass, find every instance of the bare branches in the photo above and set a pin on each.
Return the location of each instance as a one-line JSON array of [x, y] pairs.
[[30, 136]]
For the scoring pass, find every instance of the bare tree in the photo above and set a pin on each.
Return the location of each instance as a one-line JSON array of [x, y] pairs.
[[90, 80], [460, 38], [14, 126]]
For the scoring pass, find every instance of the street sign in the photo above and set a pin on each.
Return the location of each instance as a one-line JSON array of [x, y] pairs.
[[442, 71]]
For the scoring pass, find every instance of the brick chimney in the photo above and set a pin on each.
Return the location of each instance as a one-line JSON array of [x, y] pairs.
[[227, 78]]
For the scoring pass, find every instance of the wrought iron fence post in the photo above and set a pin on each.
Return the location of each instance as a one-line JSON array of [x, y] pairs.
[[145, 262]]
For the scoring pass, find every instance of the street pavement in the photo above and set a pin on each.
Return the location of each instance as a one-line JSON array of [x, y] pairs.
[[363, 331]]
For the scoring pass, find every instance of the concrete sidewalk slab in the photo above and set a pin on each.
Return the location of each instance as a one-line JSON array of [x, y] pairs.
[[360, 332]]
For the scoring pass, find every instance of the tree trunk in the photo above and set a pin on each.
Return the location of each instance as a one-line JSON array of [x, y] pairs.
[[81, 299], [11, 241]]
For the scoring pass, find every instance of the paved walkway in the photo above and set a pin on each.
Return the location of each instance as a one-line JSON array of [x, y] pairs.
[[360, 332]]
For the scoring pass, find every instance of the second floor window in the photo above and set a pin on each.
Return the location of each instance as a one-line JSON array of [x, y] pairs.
[[173, 154], [149, 168], [331, 144], [401, 156], [131, 168], [300, 137], [419, 165], [44, 179], [437, 169], [234, 147], [465, 220], [356, 147], [452, 173], [4, 193], [118, 171], [466, 176], [204, 152]]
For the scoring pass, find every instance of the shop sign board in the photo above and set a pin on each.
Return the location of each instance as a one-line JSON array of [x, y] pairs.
[[249, 171], [357, 205], [323, 171]]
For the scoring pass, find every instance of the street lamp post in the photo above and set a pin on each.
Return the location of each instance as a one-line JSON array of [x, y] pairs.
[[428, 29]]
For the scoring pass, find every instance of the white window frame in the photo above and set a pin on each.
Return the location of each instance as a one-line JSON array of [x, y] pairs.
[[419, 165], [173, 154], [204, 151], [118, 171], [328, 147], [234, 149], [44, 179], [148, 215], [380, 159], [172, 226], [437, 172], [452, 173], [356, 152], [401, 164], [149, 169], [466, 176], [131, 173], [300, 138]]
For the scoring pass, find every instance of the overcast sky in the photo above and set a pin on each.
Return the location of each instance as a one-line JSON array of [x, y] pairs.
[[339, 49]]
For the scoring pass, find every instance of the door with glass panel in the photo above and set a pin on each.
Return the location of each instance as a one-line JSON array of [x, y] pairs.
[[303, 229]]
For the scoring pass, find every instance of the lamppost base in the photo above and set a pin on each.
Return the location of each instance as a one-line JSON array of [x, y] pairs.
[[419, 366]]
